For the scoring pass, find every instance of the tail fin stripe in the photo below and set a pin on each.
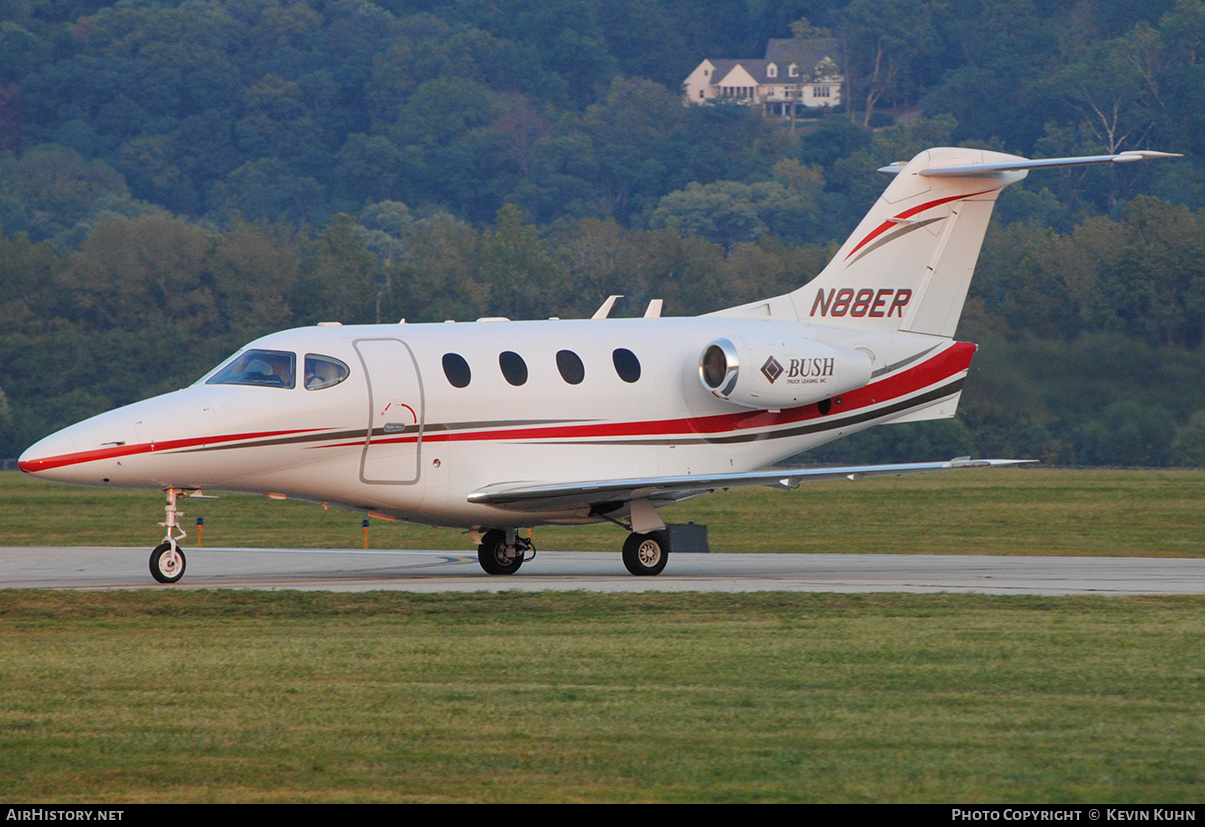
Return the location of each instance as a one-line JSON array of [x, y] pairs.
[[904, 230], [908, 213]]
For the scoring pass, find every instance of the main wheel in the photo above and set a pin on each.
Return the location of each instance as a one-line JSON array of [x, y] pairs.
[[646, 554], [167, 563], [495, 556]]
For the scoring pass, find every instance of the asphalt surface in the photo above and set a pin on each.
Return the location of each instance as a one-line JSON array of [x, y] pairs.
[[436, 571]]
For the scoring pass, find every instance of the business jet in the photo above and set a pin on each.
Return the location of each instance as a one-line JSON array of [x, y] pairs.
[[499, 426]]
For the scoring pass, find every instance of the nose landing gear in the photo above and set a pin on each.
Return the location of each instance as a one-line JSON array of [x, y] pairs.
[[167, 560]]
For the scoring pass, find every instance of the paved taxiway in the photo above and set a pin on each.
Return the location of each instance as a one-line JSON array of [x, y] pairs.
[[435, 571]]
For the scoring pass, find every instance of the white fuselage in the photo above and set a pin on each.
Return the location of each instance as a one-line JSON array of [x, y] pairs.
[[501, 425], [396, 437]]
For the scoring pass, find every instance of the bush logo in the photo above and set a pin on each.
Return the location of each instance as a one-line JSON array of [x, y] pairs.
[[771, 369], [801, 372], [803, 368]]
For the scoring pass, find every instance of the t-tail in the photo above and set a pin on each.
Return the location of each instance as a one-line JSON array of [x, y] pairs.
[[893, 294], [908, 265]]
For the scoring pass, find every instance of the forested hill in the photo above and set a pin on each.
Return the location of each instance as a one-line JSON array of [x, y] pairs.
[[179, 177]]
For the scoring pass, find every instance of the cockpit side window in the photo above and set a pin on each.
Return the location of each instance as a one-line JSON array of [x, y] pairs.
[[266, 368], [323, 372]]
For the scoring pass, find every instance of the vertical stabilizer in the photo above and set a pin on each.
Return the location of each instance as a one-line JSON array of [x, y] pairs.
[[909, 263]]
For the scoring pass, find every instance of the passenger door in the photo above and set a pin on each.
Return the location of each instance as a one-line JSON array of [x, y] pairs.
[[394, 438]]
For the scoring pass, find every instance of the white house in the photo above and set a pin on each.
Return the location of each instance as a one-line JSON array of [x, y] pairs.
[[793, 72]]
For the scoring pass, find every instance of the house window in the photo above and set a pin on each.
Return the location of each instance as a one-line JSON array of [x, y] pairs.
[[772, 70], [700, 93], [821, 92], [793, 70]]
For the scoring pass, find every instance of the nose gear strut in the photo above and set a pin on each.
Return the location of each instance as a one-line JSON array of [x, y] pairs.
[[167, 560]]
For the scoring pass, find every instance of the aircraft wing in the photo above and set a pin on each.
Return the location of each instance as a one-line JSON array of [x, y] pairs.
[[607, 495]]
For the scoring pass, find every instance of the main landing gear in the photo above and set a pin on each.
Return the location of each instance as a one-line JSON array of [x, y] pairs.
[[503, 551], [645, 555], [167, 560]]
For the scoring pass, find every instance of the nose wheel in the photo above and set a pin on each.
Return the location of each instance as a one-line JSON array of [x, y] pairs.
[[167, 563], [167, 560]]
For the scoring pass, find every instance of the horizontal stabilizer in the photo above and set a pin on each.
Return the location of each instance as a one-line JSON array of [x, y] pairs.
[[534, 496], [986, 169]]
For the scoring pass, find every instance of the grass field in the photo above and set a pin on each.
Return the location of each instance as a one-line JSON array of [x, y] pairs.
[[209, 696], [162, 695], [1008, 511]]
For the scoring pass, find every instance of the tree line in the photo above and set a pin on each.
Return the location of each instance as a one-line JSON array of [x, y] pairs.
[[177, 178]]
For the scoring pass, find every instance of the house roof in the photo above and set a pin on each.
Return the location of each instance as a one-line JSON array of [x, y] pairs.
[[804, 51], [723, 68], [782, 52]]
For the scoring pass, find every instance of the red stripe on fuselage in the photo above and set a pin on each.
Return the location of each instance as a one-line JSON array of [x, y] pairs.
[[953, 360], [47, 463]]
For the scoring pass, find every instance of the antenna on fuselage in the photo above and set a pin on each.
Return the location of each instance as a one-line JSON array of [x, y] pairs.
[[605, 310]]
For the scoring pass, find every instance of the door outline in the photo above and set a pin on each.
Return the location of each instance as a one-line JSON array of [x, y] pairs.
[[397, 378]]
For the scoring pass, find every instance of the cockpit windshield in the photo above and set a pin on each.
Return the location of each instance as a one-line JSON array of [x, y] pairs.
[[266, 368]]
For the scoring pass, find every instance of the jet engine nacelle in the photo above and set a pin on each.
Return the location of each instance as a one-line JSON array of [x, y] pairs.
[[762, 371]]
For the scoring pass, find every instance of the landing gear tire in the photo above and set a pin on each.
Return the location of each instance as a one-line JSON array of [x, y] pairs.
[[167, 563], [645, 555], [496, 557]]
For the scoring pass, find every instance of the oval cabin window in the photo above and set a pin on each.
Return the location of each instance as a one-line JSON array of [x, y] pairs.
[[457, 370], [571, 367], [513, 367], [626, 364]]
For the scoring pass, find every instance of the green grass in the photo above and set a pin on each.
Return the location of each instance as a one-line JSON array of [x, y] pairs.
[[244, 696], [168, 695], [1011, 511]]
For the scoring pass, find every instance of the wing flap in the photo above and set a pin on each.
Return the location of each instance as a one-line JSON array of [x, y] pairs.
[[540, 496]]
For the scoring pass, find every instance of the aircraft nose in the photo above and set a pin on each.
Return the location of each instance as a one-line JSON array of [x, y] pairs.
[[123, 447], [70, 455], [42, 454]]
